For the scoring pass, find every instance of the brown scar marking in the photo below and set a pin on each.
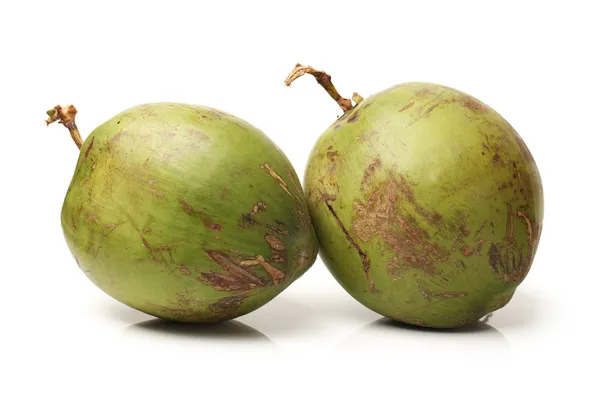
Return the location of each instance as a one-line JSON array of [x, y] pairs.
[[363, 255], [147, 229], [443, 294], [183, 269], [228, 303], [293, 180], [277, 230], [326, 197], [279, 180], [276, 274], [197, 134], [468, 251], [369, 172], [258, 207], [380, 216], [206, 220], [354, 117], [480, 229], [75, 216], [508, 266], [114, 139], [529, 227], [274, 242], [277, 248], [89, 148], [406, 107], [237, 277]]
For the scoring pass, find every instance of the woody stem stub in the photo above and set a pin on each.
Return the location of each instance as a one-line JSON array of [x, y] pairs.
[[65, 115], [324, 81]]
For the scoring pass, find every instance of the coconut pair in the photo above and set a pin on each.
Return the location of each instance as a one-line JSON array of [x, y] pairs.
[[426, 204]]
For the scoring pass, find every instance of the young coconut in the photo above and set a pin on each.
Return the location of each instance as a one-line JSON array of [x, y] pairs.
[[427, 204], [185, 212]]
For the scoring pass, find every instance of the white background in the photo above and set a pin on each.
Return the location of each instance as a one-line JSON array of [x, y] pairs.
[[534, 62]]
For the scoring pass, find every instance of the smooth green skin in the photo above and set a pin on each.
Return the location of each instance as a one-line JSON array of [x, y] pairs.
[[159, 186], [441, 196]]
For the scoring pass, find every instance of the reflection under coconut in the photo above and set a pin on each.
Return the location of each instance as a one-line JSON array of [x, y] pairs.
[[228, 331], [389, 337]]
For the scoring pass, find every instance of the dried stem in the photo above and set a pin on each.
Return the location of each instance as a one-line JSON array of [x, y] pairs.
[[324, 80], [65, 115]]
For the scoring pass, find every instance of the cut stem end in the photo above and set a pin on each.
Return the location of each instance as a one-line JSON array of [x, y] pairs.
[[324, 81], [65, 115]]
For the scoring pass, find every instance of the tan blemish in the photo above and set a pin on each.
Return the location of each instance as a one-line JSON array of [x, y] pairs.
[[247, 219], [75, 216], [276, 274], [228, 303], [326, 197], [236, 279], [363, 255], [507, 262], [480, 229], [279, 180], [89, 148], [406, 107], [380, 216], [292, 179], [470, 251], [297, 201], [274, 242], [471, 103], [206, 220], [278, 230], [183, 269], [367, 136], [277, 248], [369, 172], [201, 136], [112, 141], [147, 229], [527, 221], [522, 184], [442, 294]]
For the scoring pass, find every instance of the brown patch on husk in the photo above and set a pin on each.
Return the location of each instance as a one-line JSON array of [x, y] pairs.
[[277, 248], [383, 215], [206, 220], [228, 303], [276, 274], [247, 219], [369, 172], [363, 255], [236, 278]]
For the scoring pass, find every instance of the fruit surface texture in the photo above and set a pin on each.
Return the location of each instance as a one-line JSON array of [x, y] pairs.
[[187, 213], [428, 205]]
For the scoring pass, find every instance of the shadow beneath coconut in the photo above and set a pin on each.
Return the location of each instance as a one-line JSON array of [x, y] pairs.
[[387, 337], [477, 327], [231, 330]]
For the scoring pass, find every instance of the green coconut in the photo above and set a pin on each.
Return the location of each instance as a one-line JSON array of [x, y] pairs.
[[185, 212], [427, 204]]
